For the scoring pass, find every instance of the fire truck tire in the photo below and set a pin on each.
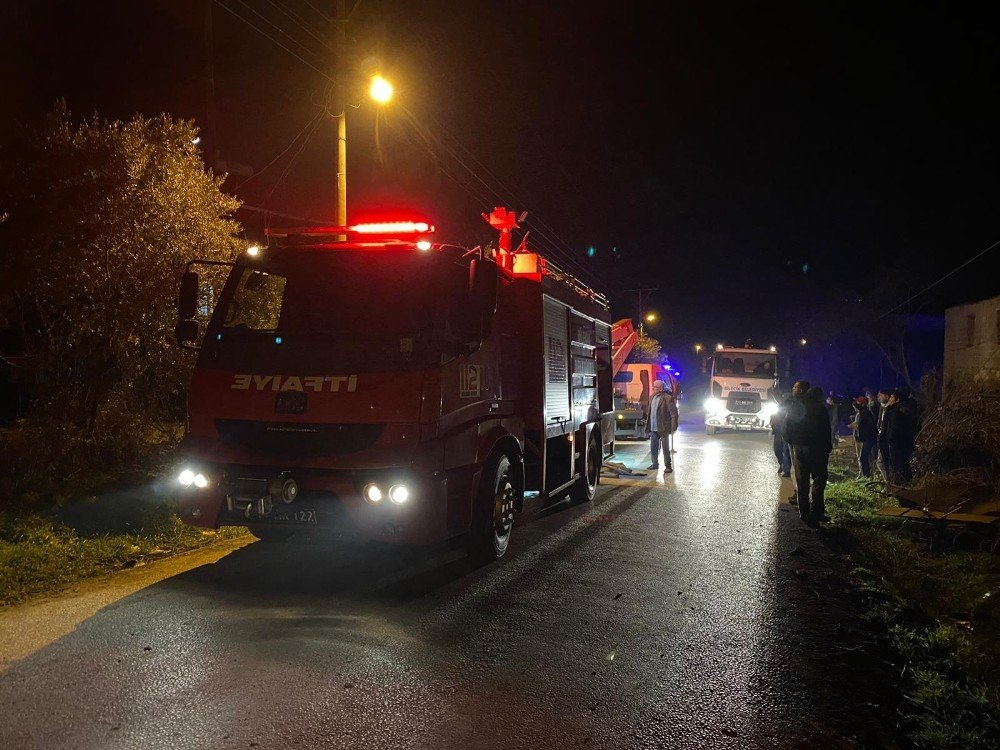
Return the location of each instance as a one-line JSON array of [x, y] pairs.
[[270, 534], [584, 489], [493, 515], [711, 430]]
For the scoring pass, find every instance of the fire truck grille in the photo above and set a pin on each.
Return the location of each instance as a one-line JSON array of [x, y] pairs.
[[743, 403], [283, 439]]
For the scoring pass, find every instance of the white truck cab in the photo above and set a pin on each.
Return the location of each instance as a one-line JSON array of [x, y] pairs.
[[741, 390]]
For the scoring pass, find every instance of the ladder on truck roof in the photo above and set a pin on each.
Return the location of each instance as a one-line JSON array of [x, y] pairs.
[[623, 338]]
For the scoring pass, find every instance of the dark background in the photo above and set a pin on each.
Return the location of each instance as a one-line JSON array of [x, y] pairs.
[[764, 167]]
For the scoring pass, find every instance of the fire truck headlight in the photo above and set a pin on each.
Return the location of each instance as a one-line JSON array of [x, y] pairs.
[[186, 477], [424, 245], [399, 494], [769, 409], [372, 493], [200, 481], [712, 405]]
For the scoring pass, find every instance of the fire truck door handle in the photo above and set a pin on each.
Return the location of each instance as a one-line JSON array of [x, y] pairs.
[[495, 406]]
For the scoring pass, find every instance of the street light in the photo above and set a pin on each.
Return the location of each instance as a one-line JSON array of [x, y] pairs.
[[803, 342], [651, 317], [773, 348], [381, 91], [697, 348]]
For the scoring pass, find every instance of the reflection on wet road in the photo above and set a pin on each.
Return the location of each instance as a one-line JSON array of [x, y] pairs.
[[667, 613]]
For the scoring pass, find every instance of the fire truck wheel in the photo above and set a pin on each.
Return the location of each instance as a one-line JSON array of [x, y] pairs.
[[270, 534], [493, 516], [711, 430], [584, 489]]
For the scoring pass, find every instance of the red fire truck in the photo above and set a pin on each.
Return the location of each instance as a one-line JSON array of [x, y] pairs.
[[413, 390]]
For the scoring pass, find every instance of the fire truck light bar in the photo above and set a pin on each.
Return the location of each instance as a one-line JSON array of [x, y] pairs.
[[392, 227]]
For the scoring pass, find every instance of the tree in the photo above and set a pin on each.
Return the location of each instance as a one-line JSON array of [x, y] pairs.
[[646, 349], [100, 218]]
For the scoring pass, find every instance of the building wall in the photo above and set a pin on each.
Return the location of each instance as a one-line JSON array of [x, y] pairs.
[[972, 342]]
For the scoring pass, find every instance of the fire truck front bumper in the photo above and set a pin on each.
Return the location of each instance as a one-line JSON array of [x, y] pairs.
[[739, 422], [393, 505]]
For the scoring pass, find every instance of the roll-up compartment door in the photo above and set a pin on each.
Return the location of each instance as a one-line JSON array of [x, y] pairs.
[[557, 401]]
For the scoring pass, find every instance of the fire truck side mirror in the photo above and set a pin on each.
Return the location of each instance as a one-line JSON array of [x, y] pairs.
[[186, 331], [187, 300]]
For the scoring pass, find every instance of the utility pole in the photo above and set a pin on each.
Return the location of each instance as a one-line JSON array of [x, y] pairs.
[[340, 106], [211, 150], [643, 294]]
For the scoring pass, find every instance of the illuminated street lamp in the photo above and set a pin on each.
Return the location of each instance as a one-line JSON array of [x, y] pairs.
[[718, 347], [773, 348], [379, 90], [697, 348], [803, 342]]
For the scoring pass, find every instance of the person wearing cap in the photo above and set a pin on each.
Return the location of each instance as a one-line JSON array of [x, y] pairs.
[[662, 422], [865, 435]]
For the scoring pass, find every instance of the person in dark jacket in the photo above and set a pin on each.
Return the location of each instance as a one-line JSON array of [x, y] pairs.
[[901, 425], [781, 450], [807, 431], [865, 435], [883, 459], [662, 421]]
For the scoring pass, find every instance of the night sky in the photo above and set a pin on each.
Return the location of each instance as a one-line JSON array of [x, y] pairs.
[[751, 162]]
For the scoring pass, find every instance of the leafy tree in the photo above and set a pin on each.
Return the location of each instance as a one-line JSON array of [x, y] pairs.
[[646, 349], [98, 219]]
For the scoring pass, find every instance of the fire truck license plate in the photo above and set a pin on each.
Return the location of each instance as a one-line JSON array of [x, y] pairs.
[[290, 403], [295, 516]]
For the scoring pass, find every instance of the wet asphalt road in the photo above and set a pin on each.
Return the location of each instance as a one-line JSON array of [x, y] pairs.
[[690, 610]]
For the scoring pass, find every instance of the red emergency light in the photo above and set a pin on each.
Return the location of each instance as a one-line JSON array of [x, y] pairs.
[[392, 227], [381, 229]]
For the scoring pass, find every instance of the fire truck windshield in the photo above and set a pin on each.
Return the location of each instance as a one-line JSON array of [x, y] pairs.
[[745, 364], [345, 310]]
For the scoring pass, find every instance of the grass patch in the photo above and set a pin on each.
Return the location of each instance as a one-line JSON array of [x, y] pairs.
[[40, 554], [939, 613]]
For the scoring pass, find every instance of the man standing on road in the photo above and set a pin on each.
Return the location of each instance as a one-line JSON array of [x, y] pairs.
[[807, 430], [662, 423], [781, 450]]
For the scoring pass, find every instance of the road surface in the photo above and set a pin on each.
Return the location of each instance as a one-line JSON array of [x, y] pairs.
[[687, 610]]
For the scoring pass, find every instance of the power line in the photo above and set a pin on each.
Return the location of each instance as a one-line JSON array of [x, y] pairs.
[[318, 12], [275, 41], [295, 158], [298, 21], [280, 153], [277, 28], [931, 286]]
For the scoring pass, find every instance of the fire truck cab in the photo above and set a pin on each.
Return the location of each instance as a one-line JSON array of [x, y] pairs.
[[370, 378]]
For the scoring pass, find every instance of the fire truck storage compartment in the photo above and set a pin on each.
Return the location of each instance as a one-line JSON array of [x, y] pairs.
[[577, 355], [557, 412]]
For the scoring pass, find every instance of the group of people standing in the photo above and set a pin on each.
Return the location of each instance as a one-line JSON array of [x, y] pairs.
[[885, 427]]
